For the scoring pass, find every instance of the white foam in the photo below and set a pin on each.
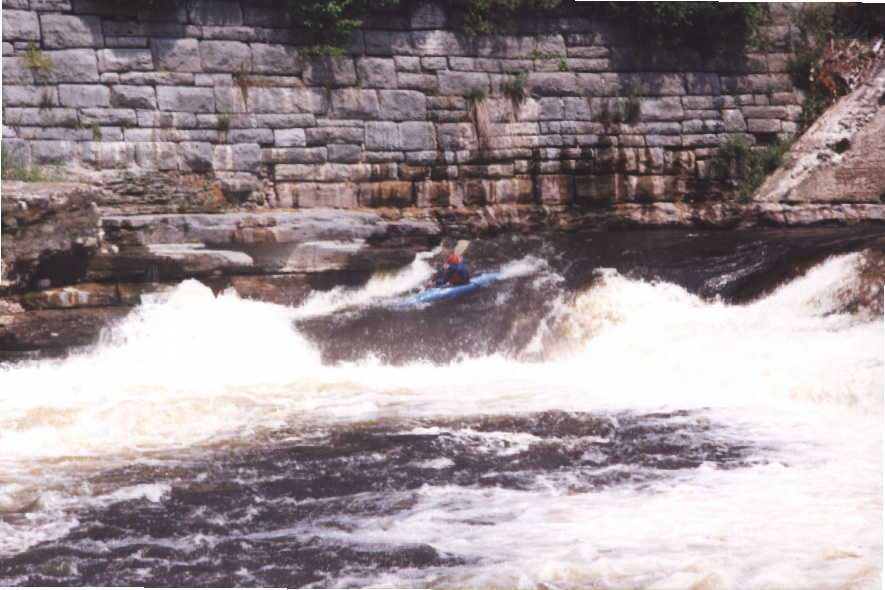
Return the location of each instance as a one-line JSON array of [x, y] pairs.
[[790, 370]]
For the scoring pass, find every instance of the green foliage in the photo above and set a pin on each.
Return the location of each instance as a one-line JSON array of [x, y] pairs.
[[515, 88], [328, 24], [746, 166], [96, 132], [703, 26], [488, 17], [633, 105], [828, 50], [35, 59], [13, 168], [476, 94]]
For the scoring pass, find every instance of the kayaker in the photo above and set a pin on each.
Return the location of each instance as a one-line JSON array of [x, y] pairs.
[[454, 273]]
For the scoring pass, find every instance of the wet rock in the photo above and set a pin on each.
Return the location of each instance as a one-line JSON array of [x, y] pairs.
[[54, 329]]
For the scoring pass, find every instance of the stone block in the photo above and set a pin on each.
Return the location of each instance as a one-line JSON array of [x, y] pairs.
[[177, 55], [432, 64], [275, 59], [285, 121], [135, 97], [63, 31], [661, 109], [462, 83], [195, 156], [550, 109], [383, 136], [425, 82], [189, 99], [439, 43], [389, 193], [337, 195], [230, 99], [229, 33], [125, 60], [29, 96], [285, 100], [417, 136], [376, 72], [512, 191], [405, 63], [20, 25], [215, 12], [520, 47], [703, 83], [241, 157], [733, 120], [765, 112], [53, 153], [325, 71], [456, 136], [334, 135], [289, 138], [101, 116], [437, 194], [104, 155], [225, 56], [155, 79], [315, 155], [157, 155], [78, 66], [84, 95], [16, 72], [764, 125], [344, 153], [355, 103], [402, 105], [552, 83], [388, 43], [40, 117], [263, 137]]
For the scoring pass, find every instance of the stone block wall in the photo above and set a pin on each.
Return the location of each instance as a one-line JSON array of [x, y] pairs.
[[568, 112]]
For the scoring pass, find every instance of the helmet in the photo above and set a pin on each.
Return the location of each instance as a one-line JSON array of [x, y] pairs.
[[454, 259]]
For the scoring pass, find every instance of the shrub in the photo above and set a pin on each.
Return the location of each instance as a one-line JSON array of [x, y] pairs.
[[514, 87], [746, 166], [476, 94], [14, 168], [703, 26], [35, 59]]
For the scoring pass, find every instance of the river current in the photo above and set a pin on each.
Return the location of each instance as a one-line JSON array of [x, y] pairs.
[[655, 410]]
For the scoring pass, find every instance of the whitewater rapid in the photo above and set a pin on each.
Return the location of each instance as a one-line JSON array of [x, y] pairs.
[[791, 372]]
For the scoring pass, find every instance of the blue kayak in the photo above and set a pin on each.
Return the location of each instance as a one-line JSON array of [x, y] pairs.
[[440, 293]]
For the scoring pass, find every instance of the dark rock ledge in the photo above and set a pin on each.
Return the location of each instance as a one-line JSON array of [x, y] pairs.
[[67, 270]]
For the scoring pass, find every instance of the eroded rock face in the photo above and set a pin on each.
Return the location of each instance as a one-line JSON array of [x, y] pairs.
[[841, 158], [49, 233], [67, 270]]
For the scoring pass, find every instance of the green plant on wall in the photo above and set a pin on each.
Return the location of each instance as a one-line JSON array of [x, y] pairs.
[[515, 88], [35, 58], [15, 168], [747, 167], [833, 49]]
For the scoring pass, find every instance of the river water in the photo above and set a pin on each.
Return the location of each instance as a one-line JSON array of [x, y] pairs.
[[627, 410]]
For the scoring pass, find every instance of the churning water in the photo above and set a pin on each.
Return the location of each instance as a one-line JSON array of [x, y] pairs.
[[639, 410]]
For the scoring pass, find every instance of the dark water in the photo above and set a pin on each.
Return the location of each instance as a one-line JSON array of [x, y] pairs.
[[267, 516]]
